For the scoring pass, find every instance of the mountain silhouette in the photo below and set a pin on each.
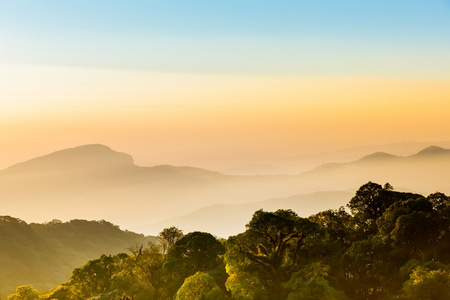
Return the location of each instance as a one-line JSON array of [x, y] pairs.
[[433, 151], [85, 157], [96, 182], [302, 163], [424, 172], [378, 156], [44, 255], [225, 220]]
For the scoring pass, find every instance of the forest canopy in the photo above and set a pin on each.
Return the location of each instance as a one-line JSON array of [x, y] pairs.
[[385, 245], [45, 255]]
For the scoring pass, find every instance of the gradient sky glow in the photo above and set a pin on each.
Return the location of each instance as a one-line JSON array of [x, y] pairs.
[[214, 83]]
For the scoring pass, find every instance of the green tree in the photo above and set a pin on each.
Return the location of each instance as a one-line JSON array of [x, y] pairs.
[[418, 231], [200, 286], [439, 200], [425, 284], [62, 292], [168, 237], [24, 292], [368, 204], [147, 272], [271, 246], [196, 251], [387, 222], [407, 229], [338, 233], [311, 284], [366, 263], [94, 277], [371, 201], [338, 224], [245, 286], [412, 226]]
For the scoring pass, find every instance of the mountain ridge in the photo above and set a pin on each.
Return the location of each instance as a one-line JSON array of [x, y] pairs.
[[81, 157], [386, 157], [130, 195], [225, 220], [44, 254], [100, 155], [433, 150]]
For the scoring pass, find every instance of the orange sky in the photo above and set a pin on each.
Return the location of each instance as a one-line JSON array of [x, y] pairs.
[[212, 121]]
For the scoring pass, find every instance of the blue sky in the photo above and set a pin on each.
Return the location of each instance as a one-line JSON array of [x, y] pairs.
[[231, 80], [393, 38]]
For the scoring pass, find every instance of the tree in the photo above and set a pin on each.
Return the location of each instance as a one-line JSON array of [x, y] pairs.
[[199, 286], [371, 201], [147, 271], [245, 286], [62, 292], [412, 226], [387, 186], [367, 205], [406, 230], [339, 232], [338, 224], [310, 284], [196, 251], [438, 200], [369, 270], [94, 277], [24, 292], [388, 221], [425, 284], [271, 246], [168, 237], [418, 231]]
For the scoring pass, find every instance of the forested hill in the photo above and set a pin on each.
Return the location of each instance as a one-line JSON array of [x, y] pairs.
[[387, 245], [45, 254]]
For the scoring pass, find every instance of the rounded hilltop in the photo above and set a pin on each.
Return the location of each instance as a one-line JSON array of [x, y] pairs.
[[92, 156]]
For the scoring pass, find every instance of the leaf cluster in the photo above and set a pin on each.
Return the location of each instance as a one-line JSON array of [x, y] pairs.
[[388, 245]]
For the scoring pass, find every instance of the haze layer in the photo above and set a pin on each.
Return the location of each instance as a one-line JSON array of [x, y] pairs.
[[217, 85]]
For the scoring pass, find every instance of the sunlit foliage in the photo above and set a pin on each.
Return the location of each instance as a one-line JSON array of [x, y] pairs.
[[44, 255], [389, 245]]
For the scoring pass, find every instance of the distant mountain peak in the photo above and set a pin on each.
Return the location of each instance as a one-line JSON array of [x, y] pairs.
[[433, 150], [92, 156], [90, 147], [378, 156]]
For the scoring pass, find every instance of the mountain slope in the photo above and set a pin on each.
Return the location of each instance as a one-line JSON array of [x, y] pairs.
[[88, 157], [224, 220], [302, 163], [432, 151], [44, 255], [95, 182], [425, 172]]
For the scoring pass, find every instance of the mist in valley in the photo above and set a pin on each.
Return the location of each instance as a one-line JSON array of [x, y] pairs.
[[219, 150], [96, 182]]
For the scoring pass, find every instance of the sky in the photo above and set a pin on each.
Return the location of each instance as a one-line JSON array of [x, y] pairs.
[[214, 84]]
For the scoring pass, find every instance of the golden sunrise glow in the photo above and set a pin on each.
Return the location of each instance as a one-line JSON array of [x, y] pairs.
[[151, 114], [224, 149]]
